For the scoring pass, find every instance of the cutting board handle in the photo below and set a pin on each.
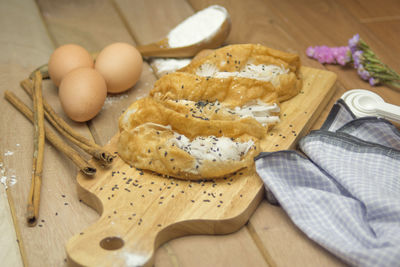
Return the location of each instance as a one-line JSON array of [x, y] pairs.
[[109, 243]]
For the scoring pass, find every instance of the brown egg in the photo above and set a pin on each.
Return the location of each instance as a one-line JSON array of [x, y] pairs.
[[67, 58], [82, 93], [121, 66]]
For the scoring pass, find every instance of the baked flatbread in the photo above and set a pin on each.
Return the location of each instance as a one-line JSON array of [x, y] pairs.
[[206, 120], [157, 148], [201, 118]]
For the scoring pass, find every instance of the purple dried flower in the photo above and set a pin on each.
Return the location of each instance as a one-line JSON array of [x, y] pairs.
[[353, 42], [324, 54], [357, 58], [310, 51], [368, 65], [342, 55], [364, 74], [373, 81]]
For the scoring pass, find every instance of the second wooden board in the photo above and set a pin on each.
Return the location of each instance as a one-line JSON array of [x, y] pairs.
[[141, 210]]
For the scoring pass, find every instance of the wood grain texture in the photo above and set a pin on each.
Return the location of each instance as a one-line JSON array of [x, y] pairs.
[[141, 210], [283, 239], [26, 42], [169, 14], [373, 10], [9, 248], [25, 45]]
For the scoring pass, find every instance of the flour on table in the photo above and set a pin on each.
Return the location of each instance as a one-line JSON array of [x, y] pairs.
[[168, 65], [5, 180], [111, 99], [9, 153]]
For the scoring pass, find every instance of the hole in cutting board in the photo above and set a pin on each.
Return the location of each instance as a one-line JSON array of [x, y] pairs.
[[112, 243]]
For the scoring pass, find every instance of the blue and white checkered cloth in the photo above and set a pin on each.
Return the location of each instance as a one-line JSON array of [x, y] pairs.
[[345, 194]]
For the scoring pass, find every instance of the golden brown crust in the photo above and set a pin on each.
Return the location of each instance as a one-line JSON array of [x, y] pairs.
[[231, 91], [149, 146], [185, 84], [238, 56], [190, 118], [192, 105]]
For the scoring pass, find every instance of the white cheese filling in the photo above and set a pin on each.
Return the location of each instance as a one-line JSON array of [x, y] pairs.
[[212, 148], [258, 110], [268, 73]]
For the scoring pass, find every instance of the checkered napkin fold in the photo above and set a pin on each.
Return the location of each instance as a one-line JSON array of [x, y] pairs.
[[345, 194]]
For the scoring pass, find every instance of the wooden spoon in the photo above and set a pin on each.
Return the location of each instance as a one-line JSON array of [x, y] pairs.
[[162, 48]]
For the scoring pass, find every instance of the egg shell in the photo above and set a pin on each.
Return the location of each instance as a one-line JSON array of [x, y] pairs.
[[121, 66], [67, 58], [82, 93]]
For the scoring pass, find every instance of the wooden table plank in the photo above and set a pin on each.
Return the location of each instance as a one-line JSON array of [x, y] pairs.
[[9, 248], [24, 46], [382, 18], [371, 10], [284, 240], [330, 16]]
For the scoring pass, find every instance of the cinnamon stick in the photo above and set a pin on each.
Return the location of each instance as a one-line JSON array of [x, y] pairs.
[[87, 145], [38, 152], [56, 141]]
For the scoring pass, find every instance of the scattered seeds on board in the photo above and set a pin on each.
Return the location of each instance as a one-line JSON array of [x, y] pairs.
[[133, 184]]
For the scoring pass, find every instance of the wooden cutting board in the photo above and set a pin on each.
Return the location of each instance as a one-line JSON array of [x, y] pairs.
[[140, 210]]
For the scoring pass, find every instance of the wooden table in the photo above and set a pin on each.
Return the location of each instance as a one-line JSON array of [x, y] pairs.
[[30, 32]]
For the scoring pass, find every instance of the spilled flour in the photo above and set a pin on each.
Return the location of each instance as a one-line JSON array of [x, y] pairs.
[[7, 180], [135, 260], [168, 65]]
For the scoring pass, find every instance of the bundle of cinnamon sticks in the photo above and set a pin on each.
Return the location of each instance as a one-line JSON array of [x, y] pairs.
[[41, 109]]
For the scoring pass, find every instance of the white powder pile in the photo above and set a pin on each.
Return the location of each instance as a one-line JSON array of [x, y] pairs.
[[201, 26], [5, 180], [169, 65]]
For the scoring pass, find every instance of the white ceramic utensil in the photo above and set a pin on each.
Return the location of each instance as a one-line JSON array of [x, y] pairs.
[[366, 103]]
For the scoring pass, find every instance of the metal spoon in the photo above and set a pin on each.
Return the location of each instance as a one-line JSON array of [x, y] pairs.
[[366, 103]]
